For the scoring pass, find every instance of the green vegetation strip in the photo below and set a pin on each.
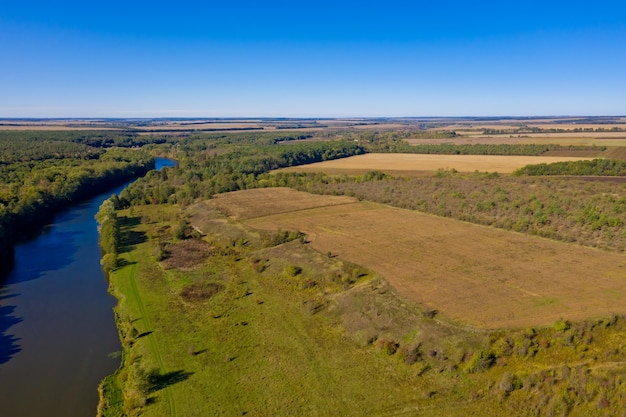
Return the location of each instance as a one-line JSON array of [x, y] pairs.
[[149, 329]]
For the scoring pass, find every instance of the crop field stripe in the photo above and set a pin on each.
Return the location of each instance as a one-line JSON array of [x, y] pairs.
[[154, 346], [402, 162]]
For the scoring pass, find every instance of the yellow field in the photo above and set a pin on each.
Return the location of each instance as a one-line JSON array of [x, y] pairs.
[[472, 274], [404, 164]]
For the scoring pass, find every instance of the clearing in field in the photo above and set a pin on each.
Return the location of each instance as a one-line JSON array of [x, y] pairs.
[[405, 164], [472, 274]]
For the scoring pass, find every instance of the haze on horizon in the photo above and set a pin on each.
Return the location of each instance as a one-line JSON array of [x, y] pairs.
[[322, 59]]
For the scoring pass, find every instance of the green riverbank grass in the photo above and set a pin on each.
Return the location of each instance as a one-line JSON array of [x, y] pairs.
[[229, 325]]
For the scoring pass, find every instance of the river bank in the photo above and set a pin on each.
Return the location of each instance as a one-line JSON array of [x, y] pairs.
[[58, 337]]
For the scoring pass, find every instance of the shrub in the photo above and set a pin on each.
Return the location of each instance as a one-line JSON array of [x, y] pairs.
[[480, 361], [561, 325], [293, 270], [509, 383], [109, 262]]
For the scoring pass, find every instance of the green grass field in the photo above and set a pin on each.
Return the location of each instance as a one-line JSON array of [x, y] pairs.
[[239, 323]]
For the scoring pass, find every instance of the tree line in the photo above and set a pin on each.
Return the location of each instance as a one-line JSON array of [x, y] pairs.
[[16, 146], [109, 230], [599, 167], [234, 168]]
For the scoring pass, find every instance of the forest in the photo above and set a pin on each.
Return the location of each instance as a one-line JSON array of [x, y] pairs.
[[42, 172]]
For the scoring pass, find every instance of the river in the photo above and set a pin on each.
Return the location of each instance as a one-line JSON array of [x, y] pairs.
[[58, 338]]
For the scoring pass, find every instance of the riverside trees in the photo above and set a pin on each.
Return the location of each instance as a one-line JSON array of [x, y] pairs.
[[43, 172], [109, 233]]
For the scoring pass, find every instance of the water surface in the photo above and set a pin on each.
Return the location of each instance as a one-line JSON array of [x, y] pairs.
[[57, 331]]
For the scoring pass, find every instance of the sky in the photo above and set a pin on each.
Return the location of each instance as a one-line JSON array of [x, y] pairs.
[[136, 59]]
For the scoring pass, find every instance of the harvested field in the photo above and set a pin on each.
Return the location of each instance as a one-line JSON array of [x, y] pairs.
[[253, 203], [469, 140], [404, 164], [472, 274], [551, 135], [616, 153], [578, 141]]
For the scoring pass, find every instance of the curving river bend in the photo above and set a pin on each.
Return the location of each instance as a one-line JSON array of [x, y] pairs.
[[57, 330]]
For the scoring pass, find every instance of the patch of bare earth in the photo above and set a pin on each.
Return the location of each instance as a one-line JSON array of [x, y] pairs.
[[186, 254], [473, 274]]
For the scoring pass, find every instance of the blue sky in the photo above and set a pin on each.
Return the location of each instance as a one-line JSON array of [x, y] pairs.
[[312, 59]]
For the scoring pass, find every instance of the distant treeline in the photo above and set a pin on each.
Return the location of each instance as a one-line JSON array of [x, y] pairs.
[[601, 167], [203, 174], [27, 148], [395, 142], [19, 146], [208, 129], [434, 134], [492, 149]]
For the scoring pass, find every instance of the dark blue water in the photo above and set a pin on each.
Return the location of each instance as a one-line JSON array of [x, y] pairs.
[[58, 338]]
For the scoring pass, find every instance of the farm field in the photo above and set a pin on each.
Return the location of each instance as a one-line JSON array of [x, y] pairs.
[[405, 164], [472, 274], [612, 139], [540, 135]]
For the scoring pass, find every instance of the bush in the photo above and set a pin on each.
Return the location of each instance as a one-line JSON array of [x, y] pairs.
[[561, 325], [293, 270], [109, 262], [480, 361], [509, 383]]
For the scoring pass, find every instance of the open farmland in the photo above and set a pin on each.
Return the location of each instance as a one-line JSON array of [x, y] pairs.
[[405, 164], [472, 274]]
